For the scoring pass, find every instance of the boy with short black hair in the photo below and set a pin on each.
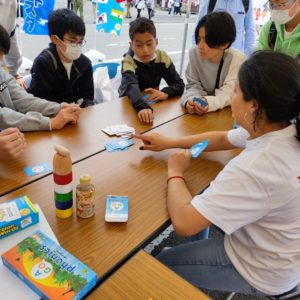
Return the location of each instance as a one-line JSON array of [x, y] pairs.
[[61, 73], [143, 67], [24, 111]]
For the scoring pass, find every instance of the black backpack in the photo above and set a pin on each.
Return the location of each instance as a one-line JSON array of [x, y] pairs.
[[212, 4]]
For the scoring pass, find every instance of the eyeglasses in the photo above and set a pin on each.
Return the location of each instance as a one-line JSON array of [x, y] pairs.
[[74, 44], [279, 6]]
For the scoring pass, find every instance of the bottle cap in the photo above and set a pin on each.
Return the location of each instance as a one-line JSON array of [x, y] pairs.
[[85, 179]]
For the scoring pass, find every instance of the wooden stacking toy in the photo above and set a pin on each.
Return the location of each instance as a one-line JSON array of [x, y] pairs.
[[62, 175]]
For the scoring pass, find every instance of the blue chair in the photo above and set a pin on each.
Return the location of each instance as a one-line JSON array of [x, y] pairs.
[[111, 66]]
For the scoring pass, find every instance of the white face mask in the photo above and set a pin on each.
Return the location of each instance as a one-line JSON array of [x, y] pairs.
[[72, 53], [281, 16]]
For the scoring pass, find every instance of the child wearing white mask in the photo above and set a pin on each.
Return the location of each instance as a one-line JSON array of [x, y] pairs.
[[282, 32], [61, 73]]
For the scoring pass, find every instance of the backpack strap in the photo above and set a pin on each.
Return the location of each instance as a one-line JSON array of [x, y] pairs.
[[246, 5], [272, 36], [211, 6], [52, 58]]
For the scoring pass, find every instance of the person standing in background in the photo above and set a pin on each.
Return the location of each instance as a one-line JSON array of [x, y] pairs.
[[78, 6], [70, 4], [8, 19], [150, 7], [242, 13], [128, 7]]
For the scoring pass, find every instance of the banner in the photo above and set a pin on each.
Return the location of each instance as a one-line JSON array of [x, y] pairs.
[[110, 15], [36, 14]]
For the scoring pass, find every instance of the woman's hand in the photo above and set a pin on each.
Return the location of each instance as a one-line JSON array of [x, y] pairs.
[[179, 163]]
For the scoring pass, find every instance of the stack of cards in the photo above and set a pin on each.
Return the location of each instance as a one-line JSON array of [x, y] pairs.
[[116, 209], [119, 130], [200, 101], [197, 149], [118, 145]]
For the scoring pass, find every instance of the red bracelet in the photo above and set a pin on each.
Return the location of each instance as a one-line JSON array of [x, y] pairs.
[[174, 177]]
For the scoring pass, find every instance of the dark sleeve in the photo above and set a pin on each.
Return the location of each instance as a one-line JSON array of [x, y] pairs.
[[87, 87], [42, 78], [130, 87], [175, 83]]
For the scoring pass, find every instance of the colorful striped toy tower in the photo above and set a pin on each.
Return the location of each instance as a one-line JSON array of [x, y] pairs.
[[62, 175]]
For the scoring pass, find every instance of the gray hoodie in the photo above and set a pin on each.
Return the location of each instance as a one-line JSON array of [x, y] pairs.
[[21, 109]]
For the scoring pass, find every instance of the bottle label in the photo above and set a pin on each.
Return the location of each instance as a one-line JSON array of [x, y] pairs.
[[85, 203]]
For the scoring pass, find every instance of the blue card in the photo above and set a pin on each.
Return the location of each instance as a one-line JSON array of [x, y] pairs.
[[200, 101], [38, 169], [118, 145], [149, 102], [116, 209], [197, 149]]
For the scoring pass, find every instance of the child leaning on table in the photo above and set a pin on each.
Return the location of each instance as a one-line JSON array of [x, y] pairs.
[[213, 65], [24, 111], [255, 199], [143, 67]]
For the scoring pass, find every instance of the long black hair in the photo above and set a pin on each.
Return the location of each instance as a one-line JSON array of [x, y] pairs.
[[272, 79]]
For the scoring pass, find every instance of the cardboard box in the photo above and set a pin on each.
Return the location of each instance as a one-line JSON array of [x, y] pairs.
[[47, 268], [16, 215]]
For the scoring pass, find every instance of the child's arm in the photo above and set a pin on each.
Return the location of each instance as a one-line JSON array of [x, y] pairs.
[[174, 81]]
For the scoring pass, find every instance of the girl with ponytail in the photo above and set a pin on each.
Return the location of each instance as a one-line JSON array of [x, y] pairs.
[[255, 199]]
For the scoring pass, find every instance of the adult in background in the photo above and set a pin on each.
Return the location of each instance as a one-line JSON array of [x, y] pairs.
[[8, 19], [78, 5], [139, 5], [128, 8], [242, 13], [150, 7], [282, 33]]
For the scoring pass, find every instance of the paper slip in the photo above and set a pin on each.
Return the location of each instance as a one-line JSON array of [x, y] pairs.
[[149, 101], [119, 130], [197, 149], [118, 145]]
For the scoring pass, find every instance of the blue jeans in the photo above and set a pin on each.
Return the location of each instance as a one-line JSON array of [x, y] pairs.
[[205, 264]]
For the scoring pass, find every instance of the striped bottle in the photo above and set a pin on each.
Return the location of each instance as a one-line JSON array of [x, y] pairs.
[[63, 189]]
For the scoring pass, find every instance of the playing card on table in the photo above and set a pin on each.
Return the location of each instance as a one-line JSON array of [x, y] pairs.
[[119, 130], [118, 145], [37, 169]]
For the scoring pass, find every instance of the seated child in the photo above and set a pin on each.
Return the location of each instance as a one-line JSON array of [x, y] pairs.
[[144, 66], [61, 73], [24, 111], [213, 66]]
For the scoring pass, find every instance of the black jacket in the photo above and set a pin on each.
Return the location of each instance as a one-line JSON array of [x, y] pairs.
[[137, 76], [50, 80]]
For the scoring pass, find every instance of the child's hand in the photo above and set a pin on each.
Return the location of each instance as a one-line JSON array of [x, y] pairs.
[[12, 143], [153, 141], [146, 115], [195, 108], [179, 162], [68, 113], [156, 94]]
